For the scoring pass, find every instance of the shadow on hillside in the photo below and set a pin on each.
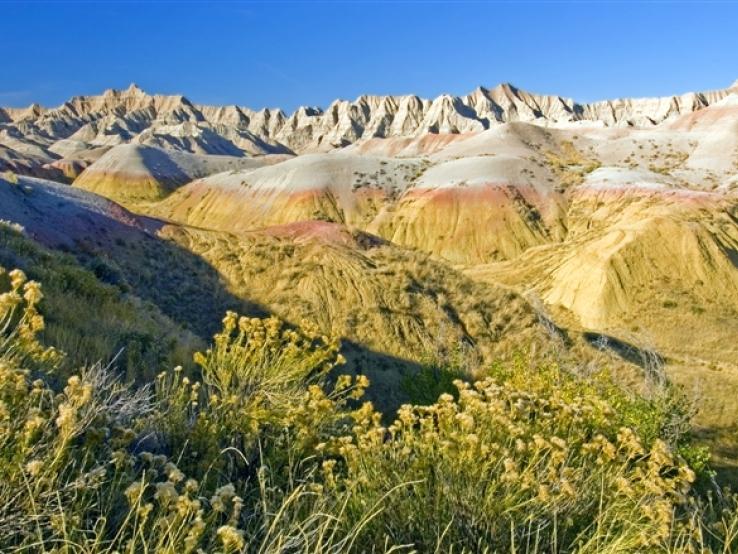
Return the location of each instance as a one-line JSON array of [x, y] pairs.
[[124, 250], [385, 372], [162, 167], [732, 255], [192, 293], [642, 357], [181, 284], [723, 443]]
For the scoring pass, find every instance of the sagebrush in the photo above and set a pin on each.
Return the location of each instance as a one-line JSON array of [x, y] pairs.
[[266, 448]]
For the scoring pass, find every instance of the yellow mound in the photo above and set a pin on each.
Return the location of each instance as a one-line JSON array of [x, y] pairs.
[[132, 173], [329, 187]]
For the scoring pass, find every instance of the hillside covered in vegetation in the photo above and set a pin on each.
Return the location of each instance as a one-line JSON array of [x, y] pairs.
[[262, 445]]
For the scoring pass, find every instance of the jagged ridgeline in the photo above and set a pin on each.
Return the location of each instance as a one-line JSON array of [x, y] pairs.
[[121, 116], [433, 237]]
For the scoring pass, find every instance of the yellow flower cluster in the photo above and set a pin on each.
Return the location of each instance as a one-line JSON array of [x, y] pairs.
[[265, 356], [77, 397], [20, 321], [169, 509], [232, 538]]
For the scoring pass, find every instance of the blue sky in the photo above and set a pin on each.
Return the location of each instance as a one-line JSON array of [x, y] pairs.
[[291, 53]]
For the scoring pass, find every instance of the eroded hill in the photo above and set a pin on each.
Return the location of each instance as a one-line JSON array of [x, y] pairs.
[[500, 220]]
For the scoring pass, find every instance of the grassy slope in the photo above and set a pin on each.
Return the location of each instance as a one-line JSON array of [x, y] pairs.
[[395, 309], [92, 320], [263, 453]]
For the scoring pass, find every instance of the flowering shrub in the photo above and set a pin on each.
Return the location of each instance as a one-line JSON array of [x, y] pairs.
[[262, 358], [10, 177], [259, 454], [503, 466], [20, 322]]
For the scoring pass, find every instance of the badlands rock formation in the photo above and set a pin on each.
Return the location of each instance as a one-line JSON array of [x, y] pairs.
[[615, 219], [390, 305], [343, 188], [131, 115], [131, 172]]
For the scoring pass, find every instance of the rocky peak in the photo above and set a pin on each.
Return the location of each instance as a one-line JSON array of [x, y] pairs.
[[344, 122], [134, 90]]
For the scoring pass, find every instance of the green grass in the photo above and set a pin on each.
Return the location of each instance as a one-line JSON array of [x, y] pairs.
[[92, 320]]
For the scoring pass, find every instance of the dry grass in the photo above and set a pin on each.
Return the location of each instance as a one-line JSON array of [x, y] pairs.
[[569, 164], [263, 456], [92, 320]]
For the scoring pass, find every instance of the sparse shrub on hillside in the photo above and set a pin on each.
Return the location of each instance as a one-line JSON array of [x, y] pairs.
[[10, 177], [570, 165], [669, 162], [254, 376], [264, 455], [664, 413], [253, 357], [76, 475], [509, 469]]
